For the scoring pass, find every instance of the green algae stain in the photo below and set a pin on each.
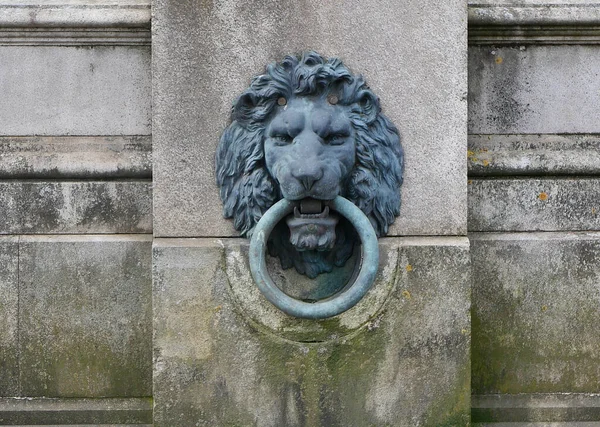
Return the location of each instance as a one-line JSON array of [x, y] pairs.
[[332, 378], [453, 409]]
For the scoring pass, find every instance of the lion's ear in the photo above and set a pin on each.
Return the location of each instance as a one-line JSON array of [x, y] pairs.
[[244, 107], [369, 105]]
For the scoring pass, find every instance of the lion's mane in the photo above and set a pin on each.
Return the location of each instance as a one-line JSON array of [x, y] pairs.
[[248, 189]]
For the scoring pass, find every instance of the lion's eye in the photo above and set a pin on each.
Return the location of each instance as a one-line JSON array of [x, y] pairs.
[[335, 139], [282, 139]]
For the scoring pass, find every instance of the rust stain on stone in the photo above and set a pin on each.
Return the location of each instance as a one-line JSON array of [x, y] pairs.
[[543, 196]]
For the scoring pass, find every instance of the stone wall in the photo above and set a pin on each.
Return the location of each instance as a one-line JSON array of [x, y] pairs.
[[75, 213], [534, 211], [104, 192]]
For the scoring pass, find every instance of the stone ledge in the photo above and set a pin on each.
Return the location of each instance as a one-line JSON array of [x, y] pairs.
[[540, 424], [75, 37], [509, 155], [536, 407], [71, 412], [75, 14], [541, 14], [75, 157], [534, 24]]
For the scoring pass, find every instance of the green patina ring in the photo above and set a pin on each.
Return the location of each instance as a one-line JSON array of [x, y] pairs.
[[336, 304]]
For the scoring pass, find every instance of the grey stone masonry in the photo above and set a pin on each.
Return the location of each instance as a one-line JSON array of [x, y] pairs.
[[63, 14], [537, 410]]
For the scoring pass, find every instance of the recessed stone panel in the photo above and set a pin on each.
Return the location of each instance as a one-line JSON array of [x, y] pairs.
[[535, 312], [400, 357], [56, 90], [85, 316], [534, 89]]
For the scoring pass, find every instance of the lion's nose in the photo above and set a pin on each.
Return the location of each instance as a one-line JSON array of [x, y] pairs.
[[307, 182], [307, 178]]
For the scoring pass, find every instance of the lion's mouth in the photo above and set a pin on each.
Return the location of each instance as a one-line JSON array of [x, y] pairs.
[[312, 226]]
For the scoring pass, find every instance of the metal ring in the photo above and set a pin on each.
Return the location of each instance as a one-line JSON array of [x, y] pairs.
[[335, 304]]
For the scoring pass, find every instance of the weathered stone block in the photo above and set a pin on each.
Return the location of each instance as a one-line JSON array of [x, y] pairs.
[[546, 204], [225, 356], [9, 307], [85, 316], [533, 89], [535, 312], [55, 90], [205, 54], [39, 207]]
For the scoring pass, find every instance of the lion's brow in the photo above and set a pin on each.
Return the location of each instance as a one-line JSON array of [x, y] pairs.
[[289, 124]]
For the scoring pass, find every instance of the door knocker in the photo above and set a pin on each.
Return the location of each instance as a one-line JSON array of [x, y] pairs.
[[308, 143]]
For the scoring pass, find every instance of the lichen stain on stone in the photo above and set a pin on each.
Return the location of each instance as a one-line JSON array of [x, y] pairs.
[[543, 196], [409, 267], [406, 294], [544, 308], [502, 109]]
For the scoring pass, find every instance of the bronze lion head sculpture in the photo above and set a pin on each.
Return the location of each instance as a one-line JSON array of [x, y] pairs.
[[309, 130]]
